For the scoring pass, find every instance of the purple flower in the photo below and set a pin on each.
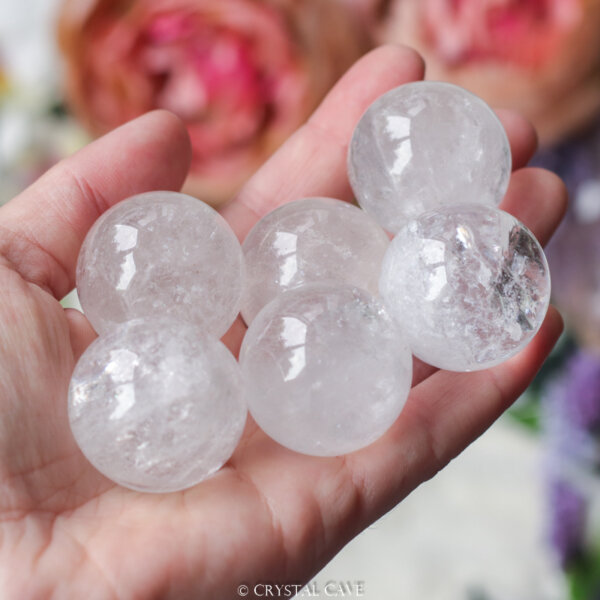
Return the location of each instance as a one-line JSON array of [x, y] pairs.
[[571, 413], [572, 419], [568, 508], [583, 391]]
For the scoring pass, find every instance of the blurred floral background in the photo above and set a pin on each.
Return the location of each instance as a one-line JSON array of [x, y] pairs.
[[517, 516]]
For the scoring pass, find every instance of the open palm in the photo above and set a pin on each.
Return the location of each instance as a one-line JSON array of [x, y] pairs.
[[270, 514]]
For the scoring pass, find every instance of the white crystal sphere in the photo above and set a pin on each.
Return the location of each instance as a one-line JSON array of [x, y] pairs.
[[309, 241], [157, 405], [161, 253], [469, 285], [326, 369], [424, 145]]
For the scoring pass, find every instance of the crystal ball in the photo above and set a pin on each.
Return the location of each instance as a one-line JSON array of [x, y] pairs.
[[326, 369], [469, 285], [161, 253], [157, 405], [424, 145], [308, 241]]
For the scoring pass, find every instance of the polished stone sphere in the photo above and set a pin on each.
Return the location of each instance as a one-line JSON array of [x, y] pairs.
[[469, 285], [425, 145], [161, 253], [157, 405], [309, 241], [326, 369]]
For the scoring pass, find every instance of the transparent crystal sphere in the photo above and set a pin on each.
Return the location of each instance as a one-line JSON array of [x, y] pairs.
[[424, 145], [469, 285], [309, 241], [157, 405], [161, 253], [326, 369]]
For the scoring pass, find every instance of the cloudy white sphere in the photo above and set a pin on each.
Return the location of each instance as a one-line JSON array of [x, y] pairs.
[[161, 253], [312, 240], [326, 369], [425, 145], [468, 284], [157, 405]]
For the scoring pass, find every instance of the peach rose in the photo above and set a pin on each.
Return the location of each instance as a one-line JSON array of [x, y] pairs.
[[242, 74], [524, 32], [541, 57]]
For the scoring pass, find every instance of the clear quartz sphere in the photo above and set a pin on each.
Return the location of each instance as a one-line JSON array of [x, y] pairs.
[[157, 405], [469, 285], [161, 253], [424, 145], [309, 241], [326, 369]]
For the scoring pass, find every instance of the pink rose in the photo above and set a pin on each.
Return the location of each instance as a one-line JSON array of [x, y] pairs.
[[242, 74], [527, 32], [540, 57]]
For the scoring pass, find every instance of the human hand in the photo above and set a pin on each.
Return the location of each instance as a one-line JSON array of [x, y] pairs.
[[270, 514]]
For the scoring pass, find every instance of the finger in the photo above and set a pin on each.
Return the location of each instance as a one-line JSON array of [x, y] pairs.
[[234, 336], [444, 414], [421, 370], [313, 161], [81, 333], [44, 226], [521, 136], [538, 198]]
